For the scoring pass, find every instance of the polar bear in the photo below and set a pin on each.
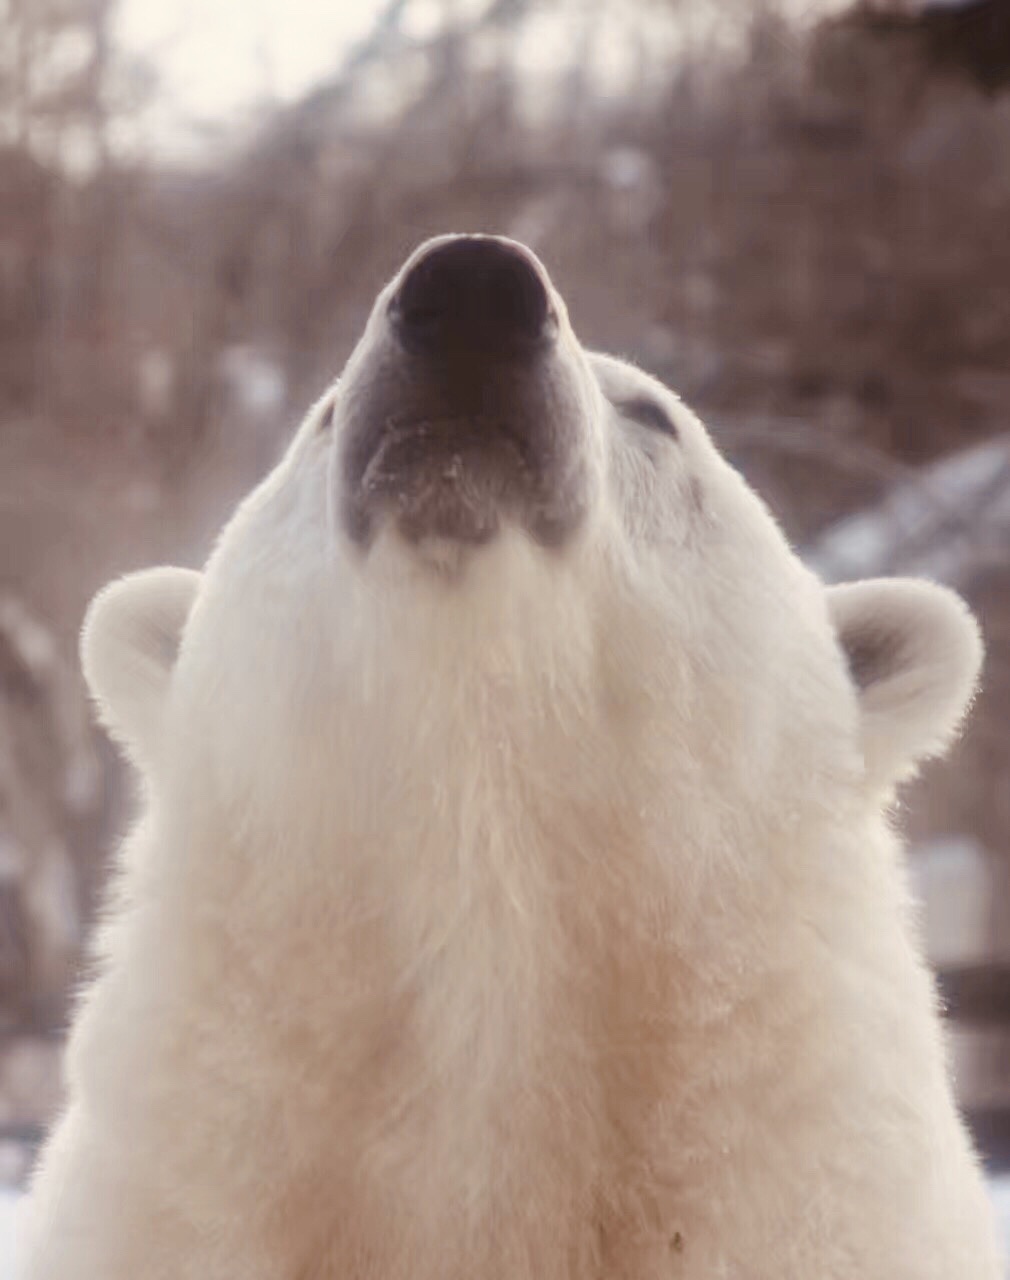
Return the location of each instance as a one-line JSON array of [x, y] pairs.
[[515, 893]]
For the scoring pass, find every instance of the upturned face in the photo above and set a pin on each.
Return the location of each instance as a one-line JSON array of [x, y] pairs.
[[483, 529], [469, 410]]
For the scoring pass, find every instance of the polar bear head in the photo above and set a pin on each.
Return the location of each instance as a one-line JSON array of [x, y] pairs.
[[488, 548]]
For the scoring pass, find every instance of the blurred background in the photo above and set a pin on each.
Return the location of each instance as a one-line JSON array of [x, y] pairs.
[[797, 214]]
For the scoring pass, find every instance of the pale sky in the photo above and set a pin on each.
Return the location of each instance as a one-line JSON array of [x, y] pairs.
[[217, 59], [214, 55]]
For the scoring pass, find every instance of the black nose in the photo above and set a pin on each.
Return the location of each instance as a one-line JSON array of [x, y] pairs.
[[473, 295]]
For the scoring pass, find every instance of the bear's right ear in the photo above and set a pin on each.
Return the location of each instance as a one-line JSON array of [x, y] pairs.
[[129, 644], [914, 654]]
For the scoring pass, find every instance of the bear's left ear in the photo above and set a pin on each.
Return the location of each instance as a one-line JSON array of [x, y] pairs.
[[129, 644], [914, 653]]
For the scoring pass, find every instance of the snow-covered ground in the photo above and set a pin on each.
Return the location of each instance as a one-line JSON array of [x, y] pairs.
[[1001, 1199], [8, 1267], [8, 1264]]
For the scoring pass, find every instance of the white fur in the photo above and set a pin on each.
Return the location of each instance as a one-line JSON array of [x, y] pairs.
[[921, 679], [515, 913], [129, 644]]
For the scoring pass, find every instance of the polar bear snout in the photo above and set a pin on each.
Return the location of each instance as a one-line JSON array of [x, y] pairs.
[[465, 405], [474, 295]]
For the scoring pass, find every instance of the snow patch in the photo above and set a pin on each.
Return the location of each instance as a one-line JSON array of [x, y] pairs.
[[946, 523]]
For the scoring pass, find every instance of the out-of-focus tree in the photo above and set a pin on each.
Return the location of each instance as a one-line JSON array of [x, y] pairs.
[[54, 60], [60, 196], [968, 38]]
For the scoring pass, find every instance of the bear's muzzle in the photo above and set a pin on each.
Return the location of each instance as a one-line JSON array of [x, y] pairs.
[[463, 405]]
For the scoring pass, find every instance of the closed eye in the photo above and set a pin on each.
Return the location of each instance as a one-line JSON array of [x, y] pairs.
[[326, 418], [649, 414]]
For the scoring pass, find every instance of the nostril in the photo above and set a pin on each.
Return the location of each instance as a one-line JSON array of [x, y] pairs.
[[473, 294]]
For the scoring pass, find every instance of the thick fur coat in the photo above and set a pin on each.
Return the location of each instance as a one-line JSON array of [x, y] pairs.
[[516, 912]]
